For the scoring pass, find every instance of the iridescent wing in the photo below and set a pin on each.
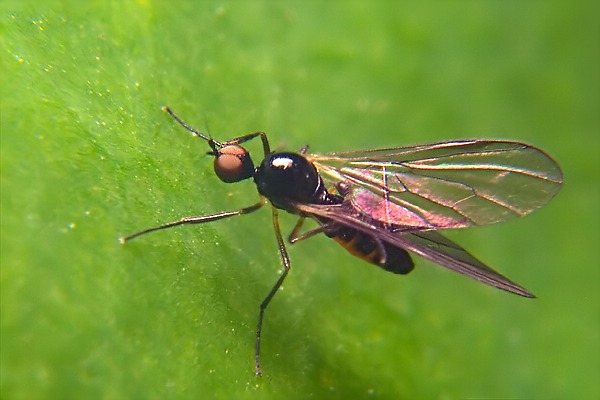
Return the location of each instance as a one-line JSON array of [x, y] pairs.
[[445, 185], [427, 244]]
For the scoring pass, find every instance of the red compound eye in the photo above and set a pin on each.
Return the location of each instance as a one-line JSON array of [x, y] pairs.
[[233, 164]]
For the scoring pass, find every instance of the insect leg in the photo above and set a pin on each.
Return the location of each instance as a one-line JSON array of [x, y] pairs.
[[250, 136], [197, 220], [296, 237], [285, 260], [294, 233], [382, 251], [213, 143]]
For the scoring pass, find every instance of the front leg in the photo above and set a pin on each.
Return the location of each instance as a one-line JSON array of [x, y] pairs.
[[197, 220]]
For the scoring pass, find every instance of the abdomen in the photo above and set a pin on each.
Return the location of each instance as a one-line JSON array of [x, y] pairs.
[[364, 246]]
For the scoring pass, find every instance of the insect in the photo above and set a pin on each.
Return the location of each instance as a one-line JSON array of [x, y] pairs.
[[382, 204]]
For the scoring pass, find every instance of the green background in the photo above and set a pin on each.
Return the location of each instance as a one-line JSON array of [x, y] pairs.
[[88, 156]]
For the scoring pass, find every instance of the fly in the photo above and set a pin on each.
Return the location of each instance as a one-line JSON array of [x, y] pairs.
[[382, 204]]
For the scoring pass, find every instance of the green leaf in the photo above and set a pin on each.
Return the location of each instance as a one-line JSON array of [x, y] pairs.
[[88, 156]]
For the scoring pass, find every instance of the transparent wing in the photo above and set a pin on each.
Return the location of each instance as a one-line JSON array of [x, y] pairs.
[[445, 185], [427, 244]]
